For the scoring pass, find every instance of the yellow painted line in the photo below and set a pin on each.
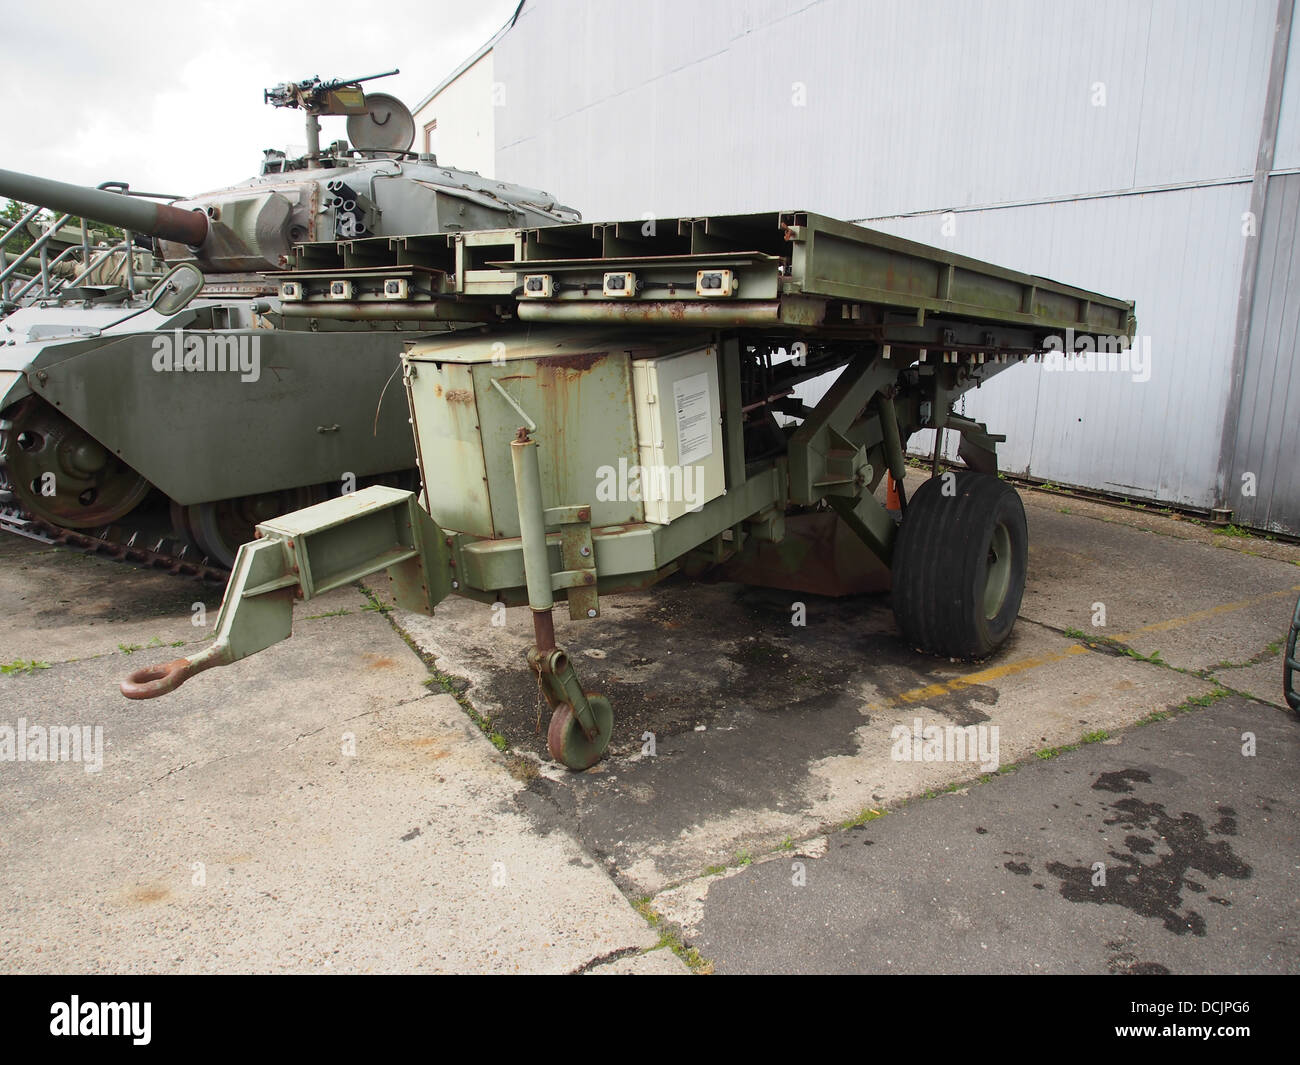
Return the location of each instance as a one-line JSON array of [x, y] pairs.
[[1023, 665], [1210, 612], [984, 676]]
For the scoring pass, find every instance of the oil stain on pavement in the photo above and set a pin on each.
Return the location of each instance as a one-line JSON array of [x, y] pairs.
[[1179, 845]]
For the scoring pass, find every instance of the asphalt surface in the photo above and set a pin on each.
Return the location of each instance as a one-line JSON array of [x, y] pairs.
[[1166, 850], [768, 737]]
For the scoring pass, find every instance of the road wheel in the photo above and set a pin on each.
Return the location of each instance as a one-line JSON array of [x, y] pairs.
[[959, 565], [220, 528], [61, 474]]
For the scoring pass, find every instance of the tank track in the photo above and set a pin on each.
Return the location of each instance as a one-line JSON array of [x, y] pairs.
[[131, 546]]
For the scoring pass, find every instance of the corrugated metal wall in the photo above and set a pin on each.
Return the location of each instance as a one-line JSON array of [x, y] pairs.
[[1178, 254], [1263, 476], [992, 110], [1264, 485]]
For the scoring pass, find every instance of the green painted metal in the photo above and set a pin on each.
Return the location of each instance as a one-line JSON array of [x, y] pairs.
[[625, 551], [891, 437], [257, 611], [999, 572], [573, 746], [792, 270], [469, 395], [283, 426], [308, 553], [126, 212], [846, 261], [334, 543], [824, 461], [532, 522], [560, 686]]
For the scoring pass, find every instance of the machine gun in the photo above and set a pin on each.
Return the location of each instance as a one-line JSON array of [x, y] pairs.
[[316, 97]]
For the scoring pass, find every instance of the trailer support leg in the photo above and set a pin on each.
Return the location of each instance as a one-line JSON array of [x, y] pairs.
[[581, 724]]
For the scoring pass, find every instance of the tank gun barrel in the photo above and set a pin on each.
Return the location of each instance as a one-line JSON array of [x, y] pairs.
[[111, 208]]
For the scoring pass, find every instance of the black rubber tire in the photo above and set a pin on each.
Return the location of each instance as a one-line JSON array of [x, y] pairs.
[[1289, 661], [942, 562]]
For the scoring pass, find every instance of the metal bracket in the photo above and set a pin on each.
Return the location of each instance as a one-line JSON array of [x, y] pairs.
[[309, 552], [870, 522], [824, 460], [578, 557], [978, 447]]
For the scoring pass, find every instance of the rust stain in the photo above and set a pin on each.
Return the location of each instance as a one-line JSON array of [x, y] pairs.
[[374, 661], [459, 395], [437, 390], [427, 745], [147, 893], [574, 363]]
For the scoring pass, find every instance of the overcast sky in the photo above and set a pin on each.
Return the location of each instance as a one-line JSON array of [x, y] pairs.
[[168, 96]]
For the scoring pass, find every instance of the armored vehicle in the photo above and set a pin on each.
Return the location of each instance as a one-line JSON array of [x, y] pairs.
[[162, 423]]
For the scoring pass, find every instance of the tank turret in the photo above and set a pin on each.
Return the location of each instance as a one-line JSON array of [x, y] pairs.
[[375, 187]]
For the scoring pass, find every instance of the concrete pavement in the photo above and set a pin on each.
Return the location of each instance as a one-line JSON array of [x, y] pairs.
[[1165, 850], [318, 810]]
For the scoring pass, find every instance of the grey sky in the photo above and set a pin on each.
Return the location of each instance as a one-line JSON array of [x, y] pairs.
[[168, 96]]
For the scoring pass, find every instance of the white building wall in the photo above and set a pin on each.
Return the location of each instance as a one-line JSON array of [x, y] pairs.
[[465, 111]]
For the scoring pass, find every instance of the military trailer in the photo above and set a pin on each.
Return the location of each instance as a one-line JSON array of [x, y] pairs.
[[631, 412]]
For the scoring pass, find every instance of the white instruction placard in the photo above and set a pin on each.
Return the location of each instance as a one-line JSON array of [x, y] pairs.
[[694, 419]]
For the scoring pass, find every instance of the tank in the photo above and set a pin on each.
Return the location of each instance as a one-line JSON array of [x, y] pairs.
[[163, 423]]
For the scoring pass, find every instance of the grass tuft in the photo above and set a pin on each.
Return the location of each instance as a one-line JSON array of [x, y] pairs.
[[22, 665]]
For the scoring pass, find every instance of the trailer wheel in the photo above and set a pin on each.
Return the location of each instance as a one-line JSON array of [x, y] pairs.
[[1289, 663], [959, 565], [567, 742]]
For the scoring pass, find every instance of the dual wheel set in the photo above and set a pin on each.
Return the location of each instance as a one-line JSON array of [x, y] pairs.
[[958, 577]]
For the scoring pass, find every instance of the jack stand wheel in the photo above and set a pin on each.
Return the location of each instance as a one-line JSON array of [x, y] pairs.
[[567, 742]]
